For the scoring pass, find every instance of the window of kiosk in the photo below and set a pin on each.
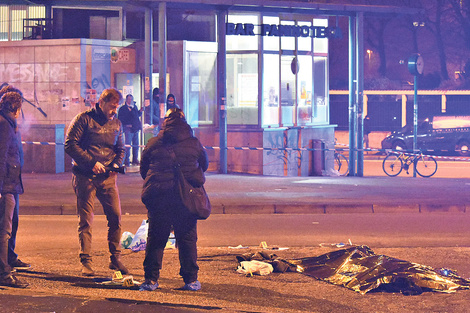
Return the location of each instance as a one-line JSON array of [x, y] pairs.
[[320, 44], [270, 90], [271, 43], [242, 89], [201, 89], [304, 90], [304, 41], [288, 90], [320, 99], [288, 42], [238, 42]]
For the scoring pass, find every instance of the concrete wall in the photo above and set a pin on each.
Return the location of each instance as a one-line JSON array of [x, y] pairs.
[[303, 162], [55, 76], [43, 158]]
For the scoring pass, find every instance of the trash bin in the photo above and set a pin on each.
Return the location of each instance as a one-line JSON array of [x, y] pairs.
[[317, 157]]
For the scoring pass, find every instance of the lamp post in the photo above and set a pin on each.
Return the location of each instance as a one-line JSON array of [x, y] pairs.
[[415, 66]]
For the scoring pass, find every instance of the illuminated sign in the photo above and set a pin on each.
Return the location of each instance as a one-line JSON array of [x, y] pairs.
[[248, 29]]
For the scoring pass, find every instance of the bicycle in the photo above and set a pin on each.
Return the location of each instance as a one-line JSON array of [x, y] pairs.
[[341, 164], [395, 162]]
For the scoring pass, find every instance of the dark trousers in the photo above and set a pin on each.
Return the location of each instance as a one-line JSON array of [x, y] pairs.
[[12, 256], [132, 139], [7, 207], [163, 213], [106, 190]]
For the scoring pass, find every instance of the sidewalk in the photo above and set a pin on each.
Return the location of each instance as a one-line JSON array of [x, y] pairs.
[[50, 244], [251, 194]]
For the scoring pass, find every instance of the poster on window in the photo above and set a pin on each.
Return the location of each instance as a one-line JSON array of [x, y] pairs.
[[127, 90], [247, 90]]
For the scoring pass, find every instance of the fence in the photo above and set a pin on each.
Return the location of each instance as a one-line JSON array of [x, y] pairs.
[[390, 110]]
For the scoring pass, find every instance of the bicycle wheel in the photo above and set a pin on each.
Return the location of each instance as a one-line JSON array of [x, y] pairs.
[[341, 164], [426, 166], [392, 165]]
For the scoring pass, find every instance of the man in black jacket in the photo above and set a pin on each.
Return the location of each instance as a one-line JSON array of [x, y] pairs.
[[10, 180], [94, 141], [163, 202], [129, 116]]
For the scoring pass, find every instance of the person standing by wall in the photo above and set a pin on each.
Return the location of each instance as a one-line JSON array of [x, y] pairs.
[[366, 131], [129, 116], [94, 141], [10, 180], [171, 102], [13, 259], [163, 201], [153, 118]]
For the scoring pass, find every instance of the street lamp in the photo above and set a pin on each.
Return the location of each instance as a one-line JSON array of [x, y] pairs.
[[415, 67]]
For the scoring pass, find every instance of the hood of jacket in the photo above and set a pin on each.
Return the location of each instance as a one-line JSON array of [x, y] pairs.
[[10, 118], [176, 130]]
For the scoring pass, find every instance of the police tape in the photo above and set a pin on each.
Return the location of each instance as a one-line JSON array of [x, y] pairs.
[[336, 149]]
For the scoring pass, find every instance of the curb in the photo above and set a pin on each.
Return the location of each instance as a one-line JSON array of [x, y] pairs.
[[270, 209]]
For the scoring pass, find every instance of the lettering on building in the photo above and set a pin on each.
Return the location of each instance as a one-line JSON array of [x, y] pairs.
[[248, 29]]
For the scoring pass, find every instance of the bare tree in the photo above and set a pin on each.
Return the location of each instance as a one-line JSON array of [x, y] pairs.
[[461, 10], [434, 24], [374, 36]]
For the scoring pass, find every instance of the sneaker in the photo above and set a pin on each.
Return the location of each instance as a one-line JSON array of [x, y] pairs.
[[148, 285], [20, 265], [86, 269], [194, 286], [12, 281], [116, 264]]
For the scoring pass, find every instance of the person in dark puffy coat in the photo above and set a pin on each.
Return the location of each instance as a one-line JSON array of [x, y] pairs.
[[10, 180], [161, 197]]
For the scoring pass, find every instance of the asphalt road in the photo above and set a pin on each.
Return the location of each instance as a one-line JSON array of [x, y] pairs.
[[50, 244]]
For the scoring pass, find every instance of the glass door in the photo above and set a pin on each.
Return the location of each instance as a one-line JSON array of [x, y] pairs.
[[296, 79], [288, 87]]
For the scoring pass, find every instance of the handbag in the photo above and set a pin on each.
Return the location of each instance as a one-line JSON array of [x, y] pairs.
[[195, 199]]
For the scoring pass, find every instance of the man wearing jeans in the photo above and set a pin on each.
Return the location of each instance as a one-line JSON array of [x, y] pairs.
[[129, 116], [94, 141], [10, 180], [13, 259]]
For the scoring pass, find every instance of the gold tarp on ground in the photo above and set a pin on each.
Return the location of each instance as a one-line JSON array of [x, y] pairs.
[[360, 269]]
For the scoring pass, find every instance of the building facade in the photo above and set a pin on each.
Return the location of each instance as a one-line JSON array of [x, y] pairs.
[[270, 117]]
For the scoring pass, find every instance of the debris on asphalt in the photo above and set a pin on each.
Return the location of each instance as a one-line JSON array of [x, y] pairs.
[[239, 247], [255, 267], [139, 242], [171, 243], [126, 239], [360, 269], [279, 265], [337, 245], [265, 246], [117, 280]]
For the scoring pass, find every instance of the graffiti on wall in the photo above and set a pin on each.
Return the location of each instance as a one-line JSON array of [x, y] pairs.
[[277, 142]]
